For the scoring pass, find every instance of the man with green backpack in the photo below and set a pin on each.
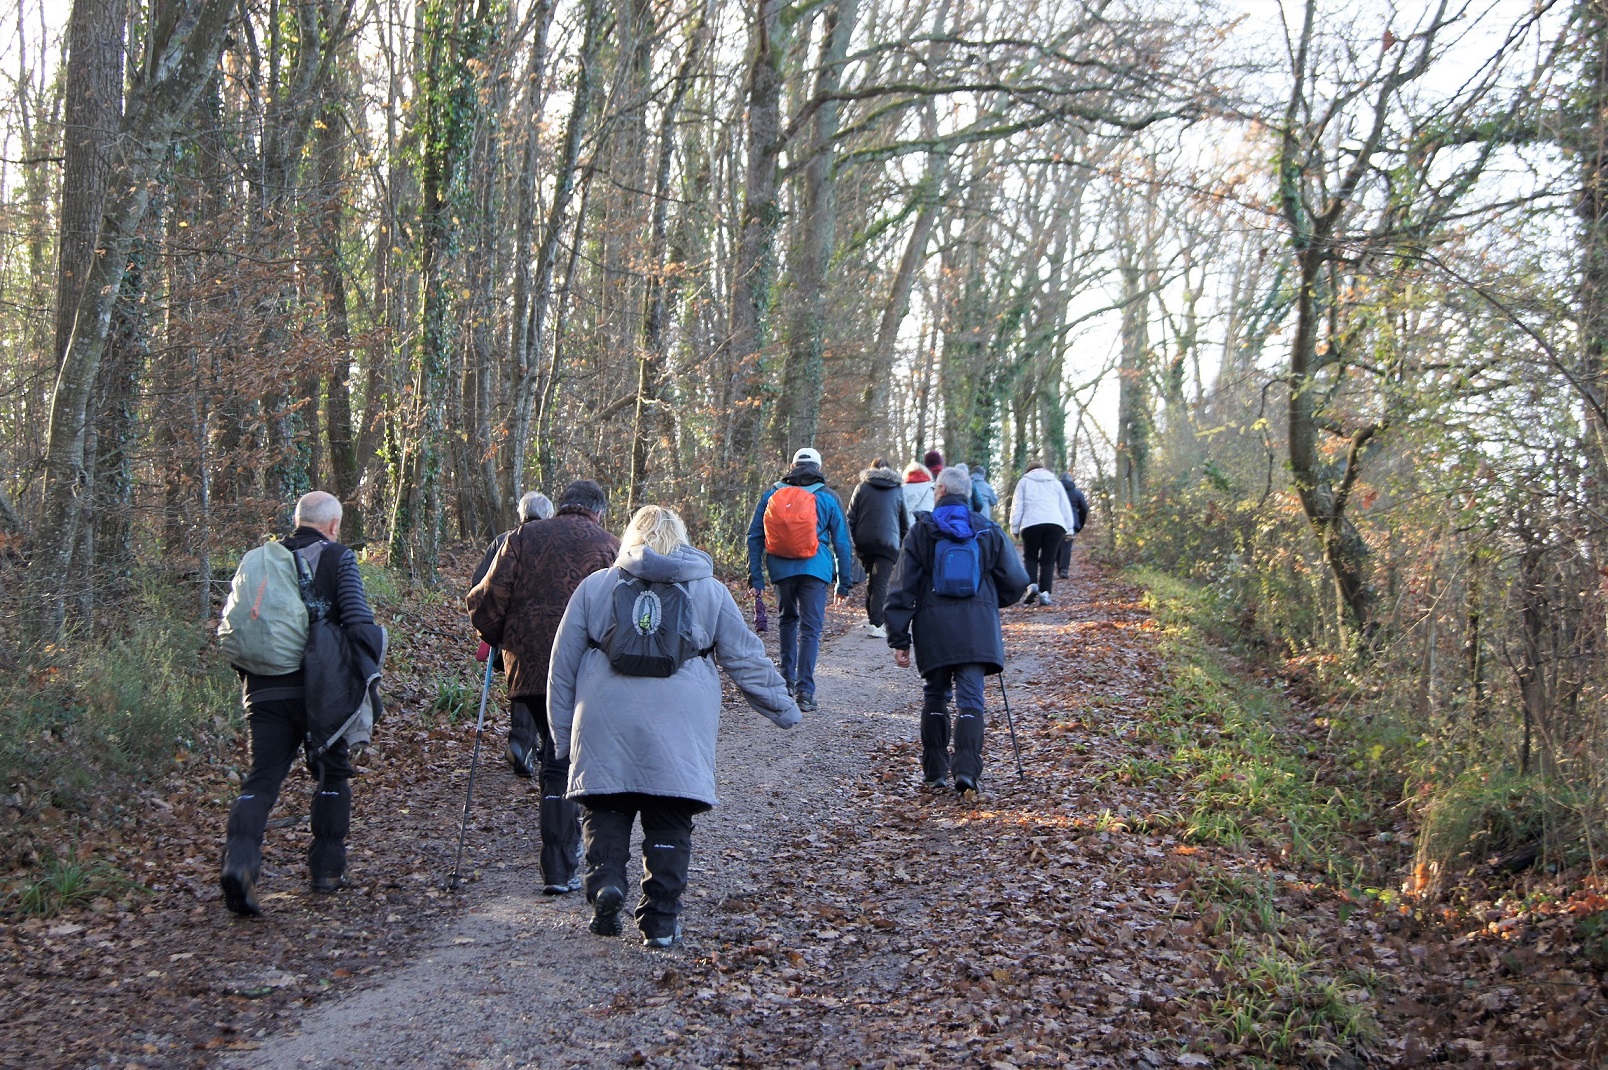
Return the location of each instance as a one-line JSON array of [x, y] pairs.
[[298, 629]]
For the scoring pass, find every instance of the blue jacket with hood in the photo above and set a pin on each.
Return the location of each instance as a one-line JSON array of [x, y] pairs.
[[832, 559]]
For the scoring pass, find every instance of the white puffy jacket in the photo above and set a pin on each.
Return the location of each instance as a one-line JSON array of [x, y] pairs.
[[1039, 499]]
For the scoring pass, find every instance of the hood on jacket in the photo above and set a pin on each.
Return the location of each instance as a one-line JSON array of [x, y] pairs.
[[804, 475], [918, 476], [880, 477], [953, 518], [1041, 475], [684, 564]]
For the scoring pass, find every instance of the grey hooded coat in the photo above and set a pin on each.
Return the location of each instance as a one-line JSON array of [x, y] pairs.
[[645, 734]]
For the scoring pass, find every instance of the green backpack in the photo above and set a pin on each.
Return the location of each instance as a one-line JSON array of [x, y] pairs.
[[264, 626]]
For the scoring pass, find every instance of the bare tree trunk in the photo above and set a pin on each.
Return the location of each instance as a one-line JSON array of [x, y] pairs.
[[1135, 416], [904, 280], [328, 162], [94, 107], [1592, 209], [754, 267], [799, 409], [530, 327], [181, 52], [649, 425]]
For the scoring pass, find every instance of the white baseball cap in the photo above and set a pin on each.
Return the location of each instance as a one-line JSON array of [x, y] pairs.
[[806, 455]]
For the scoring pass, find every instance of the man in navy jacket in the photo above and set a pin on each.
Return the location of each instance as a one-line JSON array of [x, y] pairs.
[[802, 583]]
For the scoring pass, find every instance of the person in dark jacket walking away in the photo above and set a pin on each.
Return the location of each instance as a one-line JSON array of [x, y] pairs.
[[276, 715], [1080, 516], [957, 639], [1041, 515], [983, 495], [645, 745], [878, 522], [803, 543], [517, 606], [523, 741]]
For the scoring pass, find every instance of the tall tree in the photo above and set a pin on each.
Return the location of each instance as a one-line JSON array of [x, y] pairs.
[[182, 45]]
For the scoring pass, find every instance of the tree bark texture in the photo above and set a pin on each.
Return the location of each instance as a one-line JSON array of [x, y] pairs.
[[182, 50]]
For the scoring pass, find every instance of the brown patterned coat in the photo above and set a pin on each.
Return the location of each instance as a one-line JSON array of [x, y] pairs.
[[519, 603]]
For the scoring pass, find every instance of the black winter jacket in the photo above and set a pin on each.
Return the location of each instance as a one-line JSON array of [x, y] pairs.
[[953, 631], [878, 519], [1075, 498]]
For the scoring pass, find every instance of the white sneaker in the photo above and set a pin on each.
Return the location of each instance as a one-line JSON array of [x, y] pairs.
[[876, 631], [1044, 599], [1032, 594]]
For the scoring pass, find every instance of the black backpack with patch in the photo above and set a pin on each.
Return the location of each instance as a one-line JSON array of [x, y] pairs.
[[652, 632]]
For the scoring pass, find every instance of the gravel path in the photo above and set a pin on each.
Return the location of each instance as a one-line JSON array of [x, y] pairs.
[[517, 980]]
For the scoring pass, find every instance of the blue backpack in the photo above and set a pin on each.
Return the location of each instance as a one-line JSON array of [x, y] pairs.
[[957, 567]]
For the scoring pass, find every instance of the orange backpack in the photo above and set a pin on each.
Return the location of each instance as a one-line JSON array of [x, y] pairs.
[[790, 523]]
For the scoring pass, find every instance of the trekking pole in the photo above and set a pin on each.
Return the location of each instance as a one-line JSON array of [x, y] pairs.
[[1019, 774], [480, 729]]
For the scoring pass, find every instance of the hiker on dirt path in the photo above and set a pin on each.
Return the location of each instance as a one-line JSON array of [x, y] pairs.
[[918, 489], [984, 497], [956, 571], [644, 745], [878, 522], [799, 537], [340, 659], [1080, 516], [1041, 516], [518, 606], [523, 740]]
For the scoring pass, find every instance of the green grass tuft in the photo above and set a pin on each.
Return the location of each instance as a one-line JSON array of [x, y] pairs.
[[66, 882]]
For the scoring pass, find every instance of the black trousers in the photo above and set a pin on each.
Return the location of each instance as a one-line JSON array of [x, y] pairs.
[[1063, 556], [878, 571], [666, 851], [1039, 545], [560, 818], [965, 683], [278, 727]]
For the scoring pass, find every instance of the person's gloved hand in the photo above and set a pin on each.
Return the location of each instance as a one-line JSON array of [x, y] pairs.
[[483, 651]]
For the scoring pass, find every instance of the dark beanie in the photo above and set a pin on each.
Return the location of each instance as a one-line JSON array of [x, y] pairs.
[[933, 460]]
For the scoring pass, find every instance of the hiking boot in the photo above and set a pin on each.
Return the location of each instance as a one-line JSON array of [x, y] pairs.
[[571, 885], [606, 911], [521, 761], [328, 885], [1045, 599], [806, 702], [965, 785], [1032, 594], [1060, 575], [239, 886], [933, 782], [663, 941], [877, 631]]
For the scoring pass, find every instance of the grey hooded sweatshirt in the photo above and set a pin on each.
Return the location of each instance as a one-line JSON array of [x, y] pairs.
[[646, 734]]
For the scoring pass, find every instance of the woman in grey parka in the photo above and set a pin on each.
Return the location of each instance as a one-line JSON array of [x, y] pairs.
[[645, 745]]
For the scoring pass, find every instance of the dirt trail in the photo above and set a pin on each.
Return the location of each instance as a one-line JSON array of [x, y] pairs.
[[517, 980]]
